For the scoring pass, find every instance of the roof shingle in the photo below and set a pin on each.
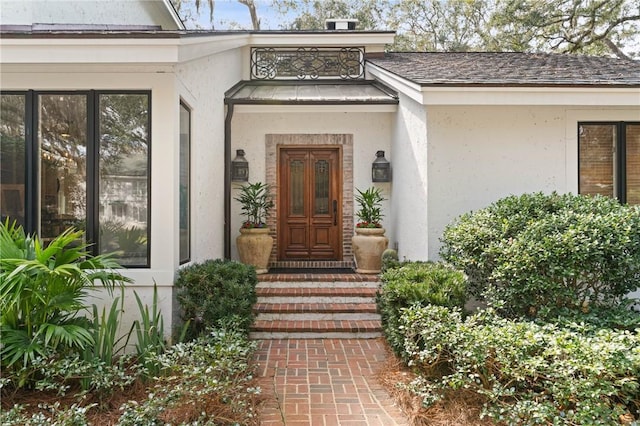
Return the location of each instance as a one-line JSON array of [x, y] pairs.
[[509, 69]]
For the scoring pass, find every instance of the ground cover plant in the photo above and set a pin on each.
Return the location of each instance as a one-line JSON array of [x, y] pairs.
[[63, 362], [528, 373], [206, 381], [558, 343]]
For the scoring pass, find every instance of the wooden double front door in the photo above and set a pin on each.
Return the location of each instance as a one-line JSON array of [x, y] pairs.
[[310, 203]]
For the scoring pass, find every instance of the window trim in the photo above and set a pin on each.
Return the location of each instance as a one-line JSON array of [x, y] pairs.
[[620, 158], [32, 156]]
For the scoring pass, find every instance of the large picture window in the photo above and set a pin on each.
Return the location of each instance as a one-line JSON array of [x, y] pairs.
[[79, 159], [609, 160]]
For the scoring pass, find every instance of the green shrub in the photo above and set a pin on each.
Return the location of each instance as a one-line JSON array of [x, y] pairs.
[[526, 372], [390, 260], [537, 254], [417, 283], [214, 291]]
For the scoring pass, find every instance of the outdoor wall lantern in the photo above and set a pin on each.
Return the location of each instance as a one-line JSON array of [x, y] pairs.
[[380, 168], [240, 167]]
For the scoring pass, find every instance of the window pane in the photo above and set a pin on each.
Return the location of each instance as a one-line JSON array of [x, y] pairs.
[[596, 169], [321, 199], [124, 177], [296, 202], [12, 158], [185, 193], [633, 163], [62, 139]]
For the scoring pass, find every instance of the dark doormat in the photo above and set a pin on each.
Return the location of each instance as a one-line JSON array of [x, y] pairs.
[[311, 271]]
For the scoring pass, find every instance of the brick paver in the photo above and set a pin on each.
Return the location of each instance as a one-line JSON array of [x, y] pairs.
[[324, 382]]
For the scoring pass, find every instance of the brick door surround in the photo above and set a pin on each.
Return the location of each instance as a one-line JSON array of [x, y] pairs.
[[272, 142]]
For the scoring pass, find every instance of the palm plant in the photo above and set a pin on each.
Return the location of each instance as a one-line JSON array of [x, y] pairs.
[[370, 212], [256, 202], [42, 290]]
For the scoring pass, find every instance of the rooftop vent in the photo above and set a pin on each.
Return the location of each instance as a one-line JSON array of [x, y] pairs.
[[341, 24]]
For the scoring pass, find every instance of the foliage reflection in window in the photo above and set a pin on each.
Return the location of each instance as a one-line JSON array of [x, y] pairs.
[[124, 176], [12, 157], [88, 167], [184, 183]]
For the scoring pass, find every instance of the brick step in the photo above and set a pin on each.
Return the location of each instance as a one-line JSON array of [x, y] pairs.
[[336, 329], [315, 307], [318, 284], [314, 292], [316, 311]]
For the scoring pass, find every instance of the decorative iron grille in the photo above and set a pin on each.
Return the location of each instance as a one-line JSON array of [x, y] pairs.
[[268, 63]]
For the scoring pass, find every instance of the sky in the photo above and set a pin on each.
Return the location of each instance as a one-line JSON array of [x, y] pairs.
[[229, 13]]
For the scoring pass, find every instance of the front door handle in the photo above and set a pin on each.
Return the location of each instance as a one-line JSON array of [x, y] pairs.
[[335, 212]]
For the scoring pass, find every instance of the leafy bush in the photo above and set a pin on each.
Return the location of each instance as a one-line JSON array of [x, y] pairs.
[[527, 373], [419, 283], [42, 289], [214, 291], [390, 260], [538, 254]]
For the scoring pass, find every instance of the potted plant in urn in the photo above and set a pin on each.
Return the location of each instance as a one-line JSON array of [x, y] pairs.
[[369, 241], [254, 242]]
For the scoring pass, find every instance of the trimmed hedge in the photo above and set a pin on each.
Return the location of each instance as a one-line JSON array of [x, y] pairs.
[[537, 255], [419, 283], [216, 292]]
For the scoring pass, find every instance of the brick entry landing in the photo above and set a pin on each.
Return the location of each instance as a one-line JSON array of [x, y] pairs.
[[324, 382]]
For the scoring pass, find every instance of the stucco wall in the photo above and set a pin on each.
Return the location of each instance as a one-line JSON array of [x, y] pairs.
[[120, 12], [371, 132], [202, 84], [480, 154], [409, 216]]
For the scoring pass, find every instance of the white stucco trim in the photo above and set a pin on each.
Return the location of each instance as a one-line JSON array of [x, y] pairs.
[[372, 41], [88, 50], [596, 96], [266, 108], [397, 83], [199, 47], [174, 14], [169, 50]]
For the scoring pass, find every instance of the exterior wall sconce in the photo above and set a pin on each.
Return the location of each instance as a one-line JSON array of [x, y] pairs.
[[380, 168], [239, 167]]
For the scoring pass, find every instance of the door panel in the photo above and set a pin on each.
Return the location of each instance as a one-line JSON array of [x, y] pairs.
[[310, 204]]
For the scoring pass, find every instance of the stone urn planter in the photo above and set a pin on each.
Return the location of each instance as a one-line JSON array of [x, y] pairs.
[[368, 245], [369, 241], [254, 248]]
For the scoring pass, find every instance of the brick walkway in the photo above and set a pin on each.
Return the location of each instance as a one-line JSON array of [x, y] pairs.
[[324, 382]]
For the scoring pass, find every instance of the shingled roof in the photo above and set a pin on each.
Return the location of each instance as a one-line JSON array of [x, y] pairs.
[[509, 69]]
